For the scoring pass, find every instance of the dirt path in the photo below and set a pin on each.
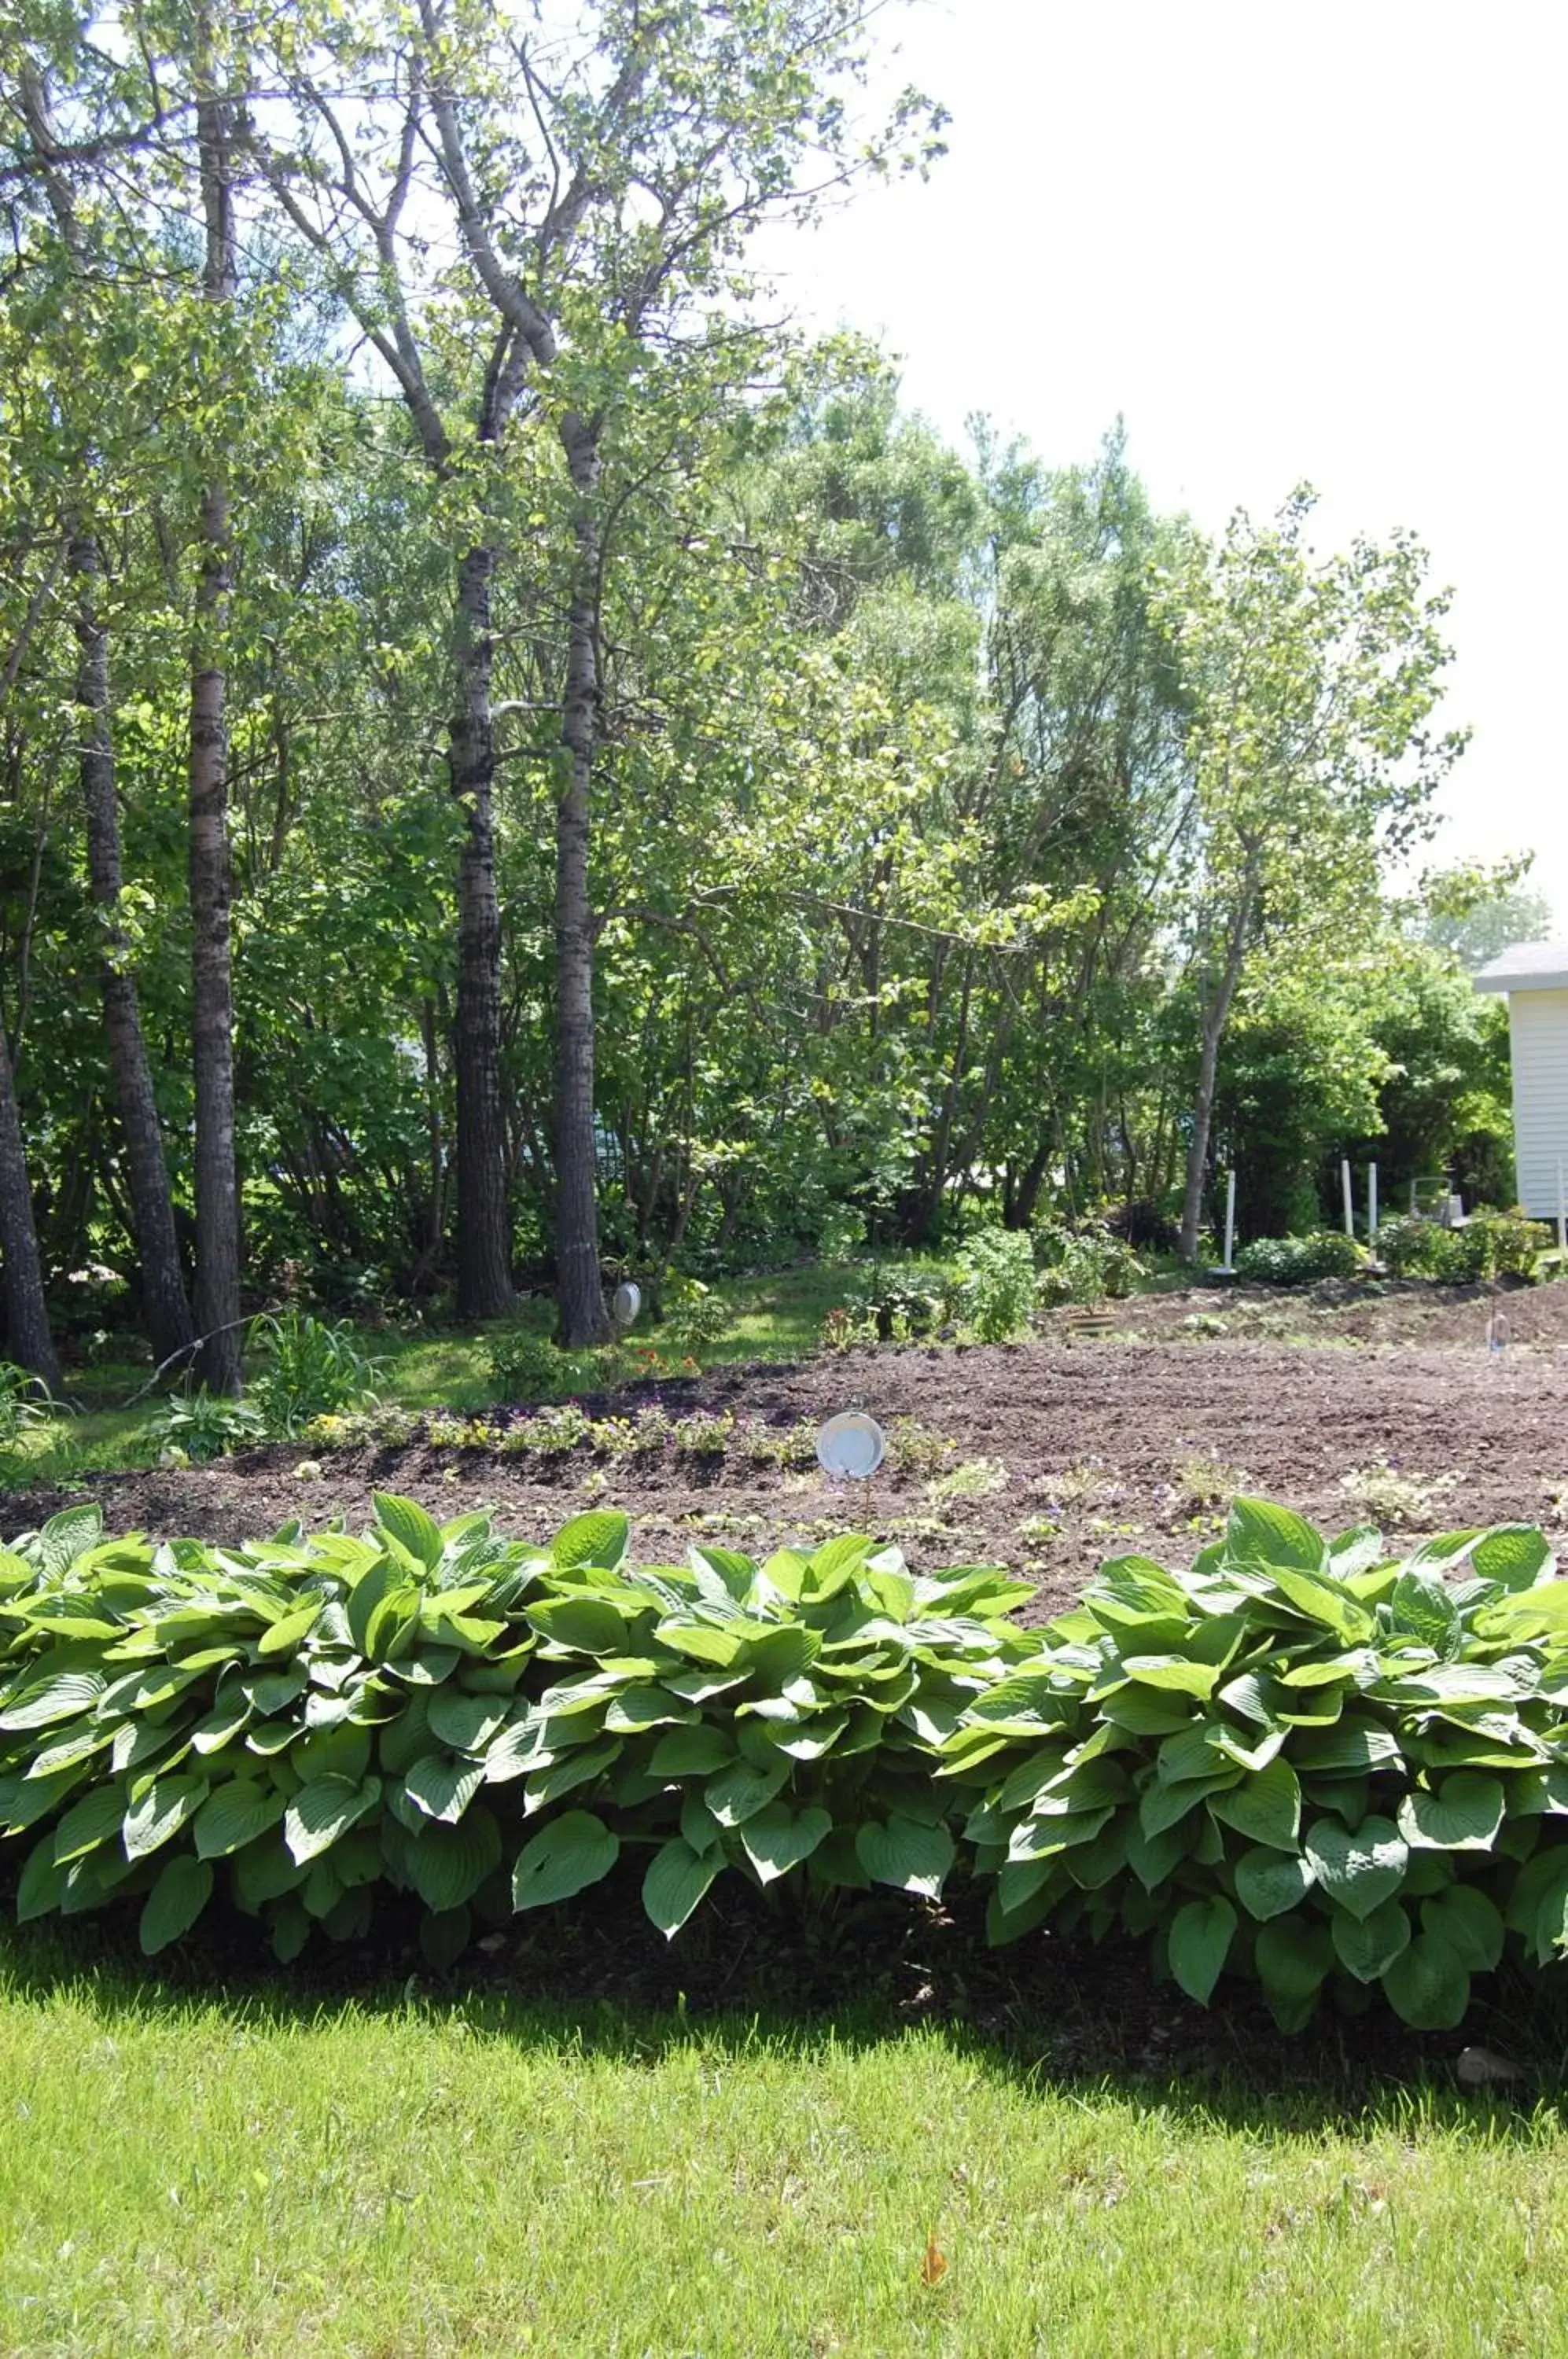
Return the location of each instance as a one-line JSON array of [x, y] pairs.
[[1044, 1456]]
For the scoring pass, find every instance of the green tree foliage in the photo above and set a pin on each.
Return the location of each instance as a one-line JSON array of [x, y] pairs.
[[939, 830]]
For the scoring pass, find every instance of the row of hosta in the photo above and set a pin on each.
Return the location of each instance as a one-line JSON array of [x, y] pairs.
[[486, 1726], [1299, 1761]]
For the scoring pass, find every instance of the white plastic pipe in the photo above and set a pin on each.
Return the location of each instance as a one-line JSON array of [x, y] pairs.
[[1230, 1220], [1372, 1206], [1349, 1200]]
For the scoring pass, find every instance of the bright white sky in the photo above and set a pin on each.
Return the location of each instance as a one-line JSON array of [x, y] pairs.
[[1285, 242]]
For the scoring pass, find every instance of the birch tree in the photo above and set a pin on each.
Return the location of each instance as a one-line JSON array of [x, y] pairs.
[[1313, 686], [601, 189]]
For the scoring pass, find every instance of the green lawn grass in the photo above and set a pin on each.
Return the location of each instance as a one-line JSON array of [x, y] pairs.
[[442, 2176]]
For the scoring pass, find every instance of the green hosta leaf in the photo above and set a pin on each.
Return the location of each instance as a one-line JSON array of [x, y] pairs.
[[1269, 1882], [274, 1691], [68, 1535], [598, 1538], [1324, 1671], [647, 1706], [1469, 1922], [183, 1889], [393, 1621], [325, 1810], [1359, 1870], [1367, 1946], [443, 1937], [1162, 1806], [1200, 1940], [60, 1698], [264, 1872], [690, 1752], [291, 1929], [1428, 1985], [1266, 1808], [678, 1877], [1349, 1745], [737, 1793], [446, 1865], [573, 1852], [1463, 1815], [1320, 1601], [443, 1787], [776, 1839], [466, 1723], [901, 1853], [703, 1642], [1424, 1606], [779, 1654], [1045, 1838], [1173, 1673], [1515, 1556], [334, 1753], [42, 1883], [1152, 1857], [161, 1811], [224, 1720], [589, 1624], [90, 1822], [575, 1768], [235, 1814], [284, 1636], [1143, 1713], [1293, 1954], [410, 1527], [1259, 1533]]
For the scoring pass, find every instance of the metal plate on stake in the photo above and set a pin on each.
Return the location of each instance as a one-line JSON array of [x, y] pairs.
[[625, 1304], [850, 1444]]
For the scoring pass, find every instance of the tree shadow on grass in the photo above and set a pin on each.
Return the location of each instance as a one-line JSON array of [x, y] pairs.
[[1060, 2017]]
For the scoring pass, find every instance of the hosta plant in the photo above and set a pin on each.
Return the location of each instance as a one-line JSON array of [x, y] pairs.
[[485, 1725], [1299, 1761]]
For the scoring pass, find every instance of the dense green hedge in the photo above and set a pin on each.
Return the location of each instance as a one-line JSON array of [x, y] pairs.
[[1299, 1261], [1298, 1761]]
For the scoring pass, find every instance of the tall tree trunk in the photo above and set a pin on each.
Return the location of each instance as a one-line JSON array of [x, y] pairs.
[[219, 1364], [147, 1175], [582, 1318], [484, 1228], [28, 1341]]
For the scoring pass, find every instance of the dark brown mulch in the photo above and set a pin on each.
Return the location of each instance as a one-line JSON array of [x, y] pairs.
[[1059, 1453]]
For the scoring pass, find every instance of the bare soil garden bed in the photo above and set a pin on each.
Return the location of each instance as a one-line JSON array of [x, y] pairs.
[[1046, 1456]]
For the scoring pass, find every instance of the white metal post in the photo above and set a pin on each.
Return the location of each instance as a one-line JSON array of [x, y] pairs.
[[1372, 1208], [1349, 1201], [1230, 1219]]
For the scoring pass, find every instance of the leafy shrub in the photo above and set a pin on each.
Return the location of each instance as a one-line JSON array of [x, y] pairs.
[[1490, 1244], [1301, 1261], [309, 1369], [891, 1302], [470, 1720], [995, 1283], [1084, 1262], [199, 1425], [694, 1316], [1299, 1761], [523, 1365]]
